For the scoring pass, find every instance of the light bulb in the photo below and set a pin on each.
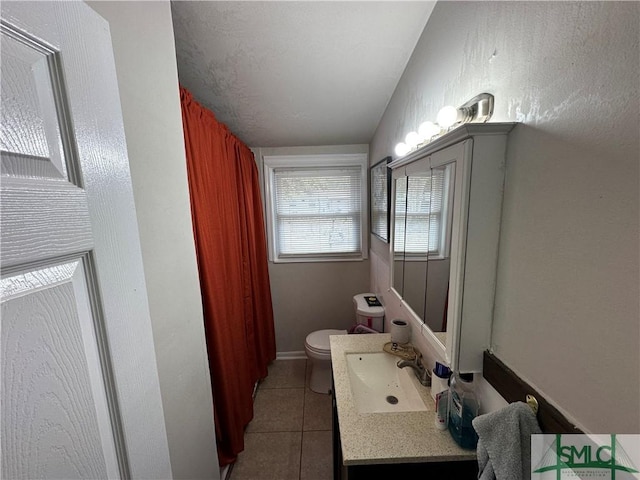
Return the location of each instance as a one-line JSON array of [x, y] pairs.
[[402, 149], [447, 116], [428, 130], [412, 139]]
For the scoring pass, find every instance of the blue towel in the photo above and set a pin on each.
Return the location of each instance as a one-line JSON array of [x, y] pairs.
[[504, 442]]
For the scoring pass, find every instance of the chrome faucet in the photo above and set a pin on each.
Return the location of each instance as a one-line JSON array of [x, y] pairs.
[[422, 374]]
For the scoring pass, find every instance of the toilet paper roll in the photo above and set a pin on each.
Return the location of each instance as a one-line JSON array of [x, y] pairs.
[[400, 331]]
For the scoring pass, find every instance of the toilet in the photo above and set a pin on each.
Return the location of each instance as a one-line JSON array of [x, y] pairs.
[[318, 348], [318, 352]]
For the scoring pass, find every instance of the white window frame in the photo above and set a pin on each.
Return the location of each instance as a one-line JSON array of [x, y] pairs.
[[272, 162]]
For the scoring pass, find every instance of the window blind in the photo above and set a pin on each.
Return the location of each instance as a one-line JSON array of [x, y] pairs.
[[317, 211], [420, 214]]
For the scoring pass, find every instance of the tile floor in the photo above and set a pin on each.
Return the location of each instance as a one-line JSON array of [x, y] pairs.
[[289, 437]]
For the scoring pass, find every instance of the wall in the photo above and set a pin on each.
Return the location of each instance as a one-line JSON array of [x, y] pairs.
[[312, 296], [566, 309], [142, 35]]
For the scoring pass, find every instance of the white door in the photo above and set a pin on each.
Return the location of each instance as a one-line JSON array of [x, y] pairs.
[[80, 396]]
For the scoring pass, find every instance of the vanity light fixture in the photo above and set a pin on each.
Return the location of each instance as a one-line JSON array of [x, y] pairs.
[[477, 110], [413, 139], [428, 130], [448, 116], [402, 149]]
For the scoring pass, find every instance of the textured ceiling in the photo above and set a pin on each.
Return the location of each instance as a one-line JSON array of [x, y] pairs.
[[296, 73]]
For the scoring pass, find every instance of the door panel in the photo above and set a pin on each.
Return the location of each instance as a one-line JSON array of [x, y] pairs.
[[56, 419], [53, 394], [31, 141]]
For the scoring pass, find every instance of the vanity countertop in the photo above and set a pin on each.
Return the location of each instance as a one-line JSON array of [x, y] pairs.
[[375, 438]]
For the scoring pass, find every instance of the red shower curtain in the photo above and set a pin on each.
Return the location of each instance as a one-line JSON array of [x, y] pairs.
[[231, 248]]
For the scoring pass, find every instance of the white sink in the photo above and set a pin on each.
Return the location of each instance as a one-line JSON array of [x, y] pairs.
[[378, 385]]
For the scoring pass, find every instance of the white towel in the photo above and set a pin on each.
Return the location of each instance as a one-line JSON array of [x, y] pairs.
[[504, 442]]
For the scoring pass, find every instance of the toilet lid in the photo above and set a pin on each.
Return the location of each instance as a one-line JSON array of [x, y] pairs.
[[319, 339]]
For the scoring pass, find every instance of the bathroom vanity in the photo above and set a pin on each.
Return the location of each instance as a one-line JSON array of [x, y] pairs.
[[397, 443]]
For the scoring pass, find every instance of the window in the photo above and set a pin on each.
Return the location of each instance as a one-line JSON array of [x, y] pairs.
[[421, 212], [316, 207]]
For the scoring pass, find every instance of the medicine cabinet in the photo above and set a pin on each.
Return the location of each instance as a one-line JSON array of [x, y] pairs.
[[445, 216]]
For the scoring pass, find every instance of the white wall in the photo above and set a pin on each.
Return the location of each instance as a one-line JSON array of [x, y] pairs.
[[142, 35], [567, 313], [312, 296]]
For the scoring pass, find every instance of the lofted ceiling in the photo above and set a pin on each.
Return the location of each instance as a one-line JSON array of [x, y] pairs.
[[296, 72]]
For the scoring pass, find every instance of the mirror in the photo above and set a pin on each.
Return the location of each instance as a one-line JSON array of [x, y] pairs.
[[422, 240], [439, 247], [416, 241]]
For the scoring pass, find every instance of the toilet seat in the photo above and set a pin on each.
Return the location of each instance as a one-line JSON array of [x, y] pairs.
[[318, 341]]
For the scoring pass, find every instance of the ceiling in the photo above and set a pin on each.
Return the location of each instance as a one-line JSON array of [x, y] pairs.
[[296, 73]]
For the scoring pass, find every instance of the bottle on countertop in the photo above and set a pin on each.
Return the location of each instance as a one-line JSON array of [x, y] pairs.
[[463, 408], [442, 410], [440, 393]]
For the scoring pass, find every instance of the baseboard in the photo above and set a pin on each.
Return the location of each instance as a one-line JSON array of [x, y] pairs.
[[299, 355]]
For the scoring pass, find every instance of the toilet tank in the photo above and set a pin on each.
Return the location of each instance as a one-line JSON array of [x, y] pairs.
[[370, 316]]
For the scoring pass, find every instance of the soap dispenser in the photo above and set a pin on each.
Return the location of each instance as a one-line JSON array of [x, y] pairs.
[[463, 408]]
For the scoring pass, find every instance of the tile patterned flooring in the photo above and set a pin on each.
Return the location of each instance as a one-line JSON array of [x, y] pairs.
[[289, 437]]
